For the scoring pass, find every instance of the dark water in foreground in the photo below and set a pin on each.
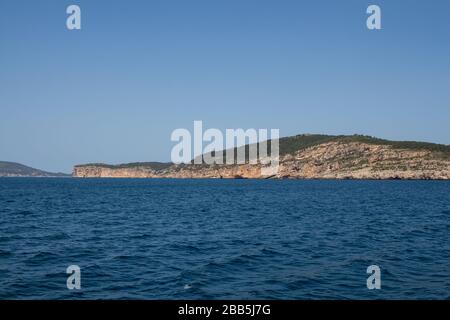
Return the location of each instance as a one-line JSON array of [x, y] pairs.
[[224, 239]]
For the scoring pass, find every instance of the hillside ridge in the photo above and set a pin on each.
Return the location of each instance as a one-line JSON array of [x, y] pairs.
[[14, 169]]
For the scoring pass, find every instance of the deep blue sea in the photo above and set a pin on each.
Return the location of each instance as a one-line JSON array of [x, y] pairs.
[[223, 239]]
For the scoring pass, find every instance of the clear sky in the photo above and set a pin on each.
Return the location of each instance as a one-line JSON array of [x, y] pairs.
[[115, 90]]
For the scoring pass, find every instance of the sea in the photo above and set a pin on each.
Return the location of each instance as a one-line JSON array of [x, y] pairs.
[[224, 239]]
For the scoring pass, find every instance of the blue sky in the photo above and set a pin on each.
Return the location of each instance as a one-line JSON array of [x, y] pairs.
[[114, 91]]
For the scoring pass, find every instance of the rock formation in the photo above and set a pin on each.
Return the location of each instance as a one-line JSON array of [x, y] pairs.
[[308, 157]]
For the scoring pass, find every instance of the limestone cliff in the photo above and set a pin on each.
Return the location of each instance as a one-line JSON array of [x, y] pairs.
[[309, 157]]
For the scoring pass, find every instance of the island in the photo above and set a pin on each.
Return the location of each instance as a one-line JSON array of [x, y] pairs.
[[306, 156], [14, 169]]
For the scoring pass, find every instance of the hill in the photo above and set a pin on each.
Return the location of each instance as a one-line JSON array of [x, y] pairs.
[[308, 156], [13, 169]]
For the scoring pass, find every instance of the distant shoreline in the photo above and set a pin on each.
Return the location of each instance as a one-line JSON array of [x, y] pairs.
[[307, 156], [253, 179]]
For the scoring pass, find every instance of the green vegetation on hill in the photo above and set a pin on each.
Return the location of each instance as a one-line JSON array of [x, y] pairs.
[[299, 142], [290, 145]]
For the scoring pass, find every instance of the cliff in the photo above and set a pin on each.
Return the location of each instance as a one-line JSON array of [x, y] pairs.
[[308, 157]]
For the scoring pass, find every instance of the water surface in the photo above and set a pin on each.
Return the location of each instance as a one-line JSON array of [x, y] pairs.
[[224, 239]]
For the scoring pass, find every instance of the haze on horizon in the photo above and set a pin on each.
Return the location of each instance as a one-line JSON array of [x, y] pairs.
[[137, 70]]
